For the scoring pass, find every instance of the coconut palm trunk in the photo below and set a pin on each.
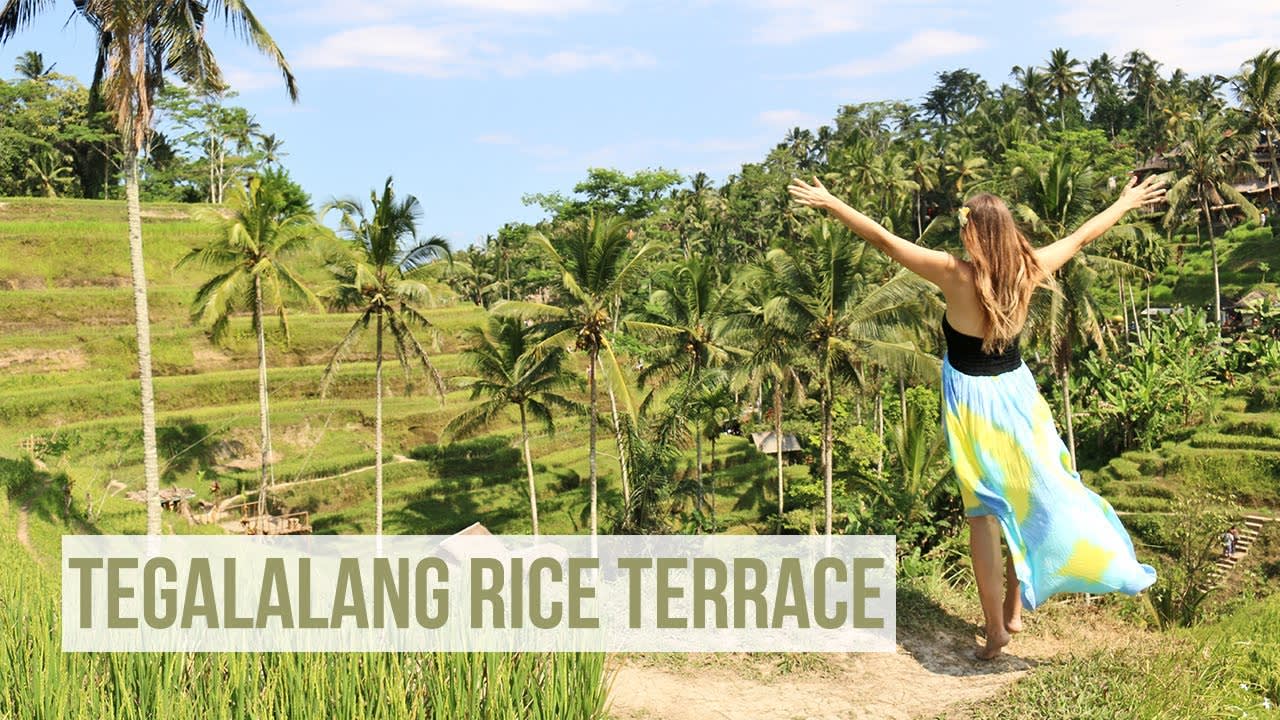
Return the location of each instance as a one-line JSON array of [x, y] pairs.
[[263, 412], [1124, 308], [591, 436], [880, 430], [1064, 377], [827, 441], [919, 216], [142, 328], [1213, 251], [697, 468], [622, 453], [528, 466], [777, 444], [377, 429], [711, 482]]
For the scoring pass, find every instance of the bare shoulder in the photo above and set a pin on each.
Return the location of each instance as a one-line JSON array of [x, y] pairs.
[[959, 278]]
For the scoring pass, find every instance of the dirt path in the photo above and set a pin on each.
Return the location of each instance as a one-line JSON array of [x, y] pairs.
[[930, 675], [395, 460], [24, 539]]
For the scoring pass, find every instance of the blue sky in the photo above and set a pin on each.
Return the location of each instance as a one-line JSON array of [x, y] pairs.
[[472, 103]]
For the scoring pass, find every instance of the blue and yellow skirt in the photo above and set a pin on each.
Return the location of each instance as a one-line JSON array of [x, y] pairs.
[[1012, 464]]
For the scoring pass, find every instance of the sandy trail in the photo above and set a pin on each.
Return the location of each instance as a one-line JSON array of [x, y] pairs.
[[932, 674], [24, 539]]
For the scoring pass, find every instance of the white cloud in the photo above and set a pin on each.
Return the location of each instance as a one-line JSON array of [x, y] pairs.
[[345, 12], [789, 21], [528, 7], [497, 139], [1195, 36], [566, 61], [245, 80], [923, 46], [437, 51], [452, 50], [787, 119], [544, 151]]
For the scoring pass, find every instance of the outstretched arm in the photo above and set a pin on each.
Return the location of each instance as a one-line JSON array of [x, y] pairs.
[[939, 268], [1055, 255]]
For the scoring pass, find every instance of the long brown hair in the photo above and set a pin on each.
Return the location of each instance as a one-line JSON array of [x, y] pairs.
[[1005, 270]]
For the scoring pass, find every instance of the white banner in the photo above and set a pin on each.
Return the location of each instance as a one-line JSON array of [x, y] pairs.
[[492, 593]]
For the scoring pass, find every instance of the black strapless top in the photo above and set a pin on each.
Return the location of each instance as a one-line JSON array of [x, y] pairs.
[[964, 352]]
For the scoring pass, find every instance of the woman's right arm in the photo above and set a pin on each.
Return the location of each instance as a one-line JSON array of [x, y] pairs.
[[1133, 196], [939, 268]]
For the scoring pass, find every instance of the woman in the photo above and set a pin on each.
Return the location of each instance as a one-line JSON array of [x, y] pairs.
[[1014, 471]]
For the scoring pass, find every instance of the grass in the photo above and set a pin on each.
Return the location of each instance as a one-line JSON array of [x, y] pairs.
[[1227, 669], [38, 680], [1188, 279]]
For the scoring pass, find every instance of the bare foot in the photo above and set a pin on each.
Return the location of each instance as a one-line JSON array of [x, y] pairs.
[[995, 642], [1013, 611]]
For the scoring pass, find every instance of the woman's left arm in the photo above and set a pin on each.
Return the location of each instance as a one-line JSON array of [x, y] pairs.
[[940, 268]]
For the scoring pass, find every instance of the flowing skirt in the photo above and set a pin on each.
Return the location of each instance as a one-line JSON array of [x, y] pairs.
[[1011, 463]]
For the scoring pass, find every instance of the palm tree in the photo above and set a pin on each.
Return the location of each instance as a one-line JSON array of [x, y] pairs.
[[923, 166], [507, 372], [1054, 198], [1207, 161], [594, 269], [48, 170], [1141, 76], [824, 301], [963, 169], [373, 279], [1063, 79], [1034, 85], [774, 362], [138, 42], [712, 407], [30, 65], [272, 149], [1258, 89], [1100, 77], [254, 260], [690, 310]]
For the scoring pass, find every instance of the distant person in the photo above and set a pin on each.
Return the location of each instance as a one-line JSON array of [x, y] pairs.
[[1228, 543], [1016, 476]]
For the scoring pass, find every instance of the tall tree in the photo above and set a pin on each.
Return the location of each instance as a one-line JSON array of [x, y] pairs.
[[1258, 89], [1063, 77], [30, 65], [826, 300], [595, 266], [1208, 161], [138, 42], [956, 93], [254, 264], [508, 372], [1100, 77], [374, 279], [1034, 85], [774, 365], [690, 309]]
